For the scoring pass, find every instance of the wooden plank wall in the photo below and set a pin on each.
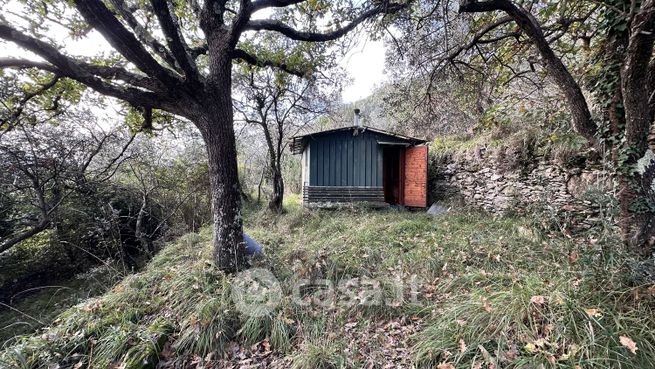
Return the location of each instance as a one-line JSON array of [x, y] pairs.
[[341, 159], [340, 194]]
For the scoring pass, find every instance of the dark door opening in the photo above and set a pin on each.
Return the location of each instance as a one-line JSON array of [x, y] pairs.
[[391, 174]]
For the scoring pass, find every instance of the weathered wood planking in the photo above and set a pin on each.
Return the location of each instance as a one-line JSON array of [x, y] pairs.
[[342, 194]]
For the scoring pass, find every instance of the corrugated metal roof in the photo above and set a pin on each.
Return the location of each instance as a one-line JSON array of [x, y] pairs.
[[298, 142]]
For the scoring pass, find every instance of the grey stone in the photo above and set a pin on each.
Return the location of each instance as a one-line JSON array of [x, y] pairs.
[[437, 210]]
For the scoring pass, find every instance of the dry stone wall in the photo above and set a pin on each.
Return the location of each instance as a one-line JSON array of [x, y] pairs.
[[485, 180]]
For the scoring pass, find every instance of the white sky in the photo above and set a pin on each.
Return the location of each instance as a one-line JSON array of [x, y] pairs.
[[365, 64]]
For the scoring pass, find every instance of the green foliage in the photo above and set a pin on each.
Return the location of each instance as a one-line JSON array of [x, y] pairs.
[[134, 119]]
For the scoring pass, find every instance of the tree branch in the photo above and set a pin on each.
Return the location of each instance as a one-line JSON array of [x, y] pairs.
[[174, 38], [198, 50], [108, 72], [478, 37], [277, 26], [38, 228], [142, 34], [99, 17], [25, 64], [250, 59], [25, 99], [80, 71], [263, 4]]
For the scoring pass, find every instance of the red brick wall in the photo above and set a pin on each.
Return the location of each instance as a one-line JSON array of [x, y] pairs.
[[415, 179]]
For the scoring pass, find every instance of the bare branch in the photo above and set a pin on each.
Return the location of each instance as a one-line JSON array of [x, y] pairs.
[[142, 34], [175, 40], [41, 226], [277, 26], [99, 17], [25, 99], [477, 38], [263, 4]]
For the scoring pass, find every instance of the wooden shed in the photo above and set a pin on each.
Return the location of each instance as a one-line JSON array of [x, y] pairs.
[[362, 164]]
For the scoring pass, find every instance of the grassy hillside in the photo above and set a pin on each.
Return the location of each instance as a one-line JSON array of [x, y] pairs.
[[489, 292], [39, 306]]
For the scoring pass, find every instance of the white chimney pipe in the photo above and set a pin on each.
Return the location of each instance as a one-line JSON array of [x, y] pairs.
[[356, 119]]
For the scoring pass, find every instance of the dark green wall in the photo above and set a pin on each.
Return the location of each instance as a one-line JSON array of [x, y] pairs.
[[341, 159]]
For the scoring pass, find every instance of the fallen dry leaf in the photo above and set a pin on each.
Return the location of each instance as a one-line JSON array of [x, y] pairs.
[[573, 257], [628, 343], [485, 305], [445, 366], [462, 345], [511, 355], [538, 300], [551, 359], [594, 313]]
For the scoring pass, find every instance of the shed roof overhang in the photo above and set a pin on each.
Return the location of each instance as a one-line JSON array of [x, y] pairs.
[[299, 142]]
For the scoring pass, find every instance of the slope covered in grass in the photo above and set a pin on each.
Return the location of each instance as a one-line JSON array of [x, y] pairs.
[[477, 291], [38, 307]]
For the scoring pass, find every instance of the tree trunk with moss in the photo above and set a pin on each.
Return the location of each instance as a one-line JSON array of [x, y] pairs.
[[637, 215]]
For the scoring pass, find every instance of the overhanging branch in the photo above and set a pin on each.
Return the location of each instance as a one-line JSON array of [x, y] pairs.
[[176, 43], [108, 72], [582, 121], [99, 17], [142, 34], [250, 59], [277, 26], [41, 226], [80, 71], [263, 4], [25, 64]]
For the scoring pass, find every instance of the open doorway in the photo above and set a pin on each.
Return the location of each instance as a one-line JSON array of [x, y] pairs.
[[392, 162]]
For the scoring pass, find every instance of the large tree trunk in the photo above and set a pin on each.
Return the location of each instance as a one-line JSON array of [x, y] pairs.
[[216, 123], [637, 219], [229, 249]]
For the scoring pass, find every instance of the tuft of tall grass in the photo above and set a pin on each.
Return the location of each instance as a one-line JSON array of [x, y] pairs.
[[208, 329], [276, 329], [318, 350]]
